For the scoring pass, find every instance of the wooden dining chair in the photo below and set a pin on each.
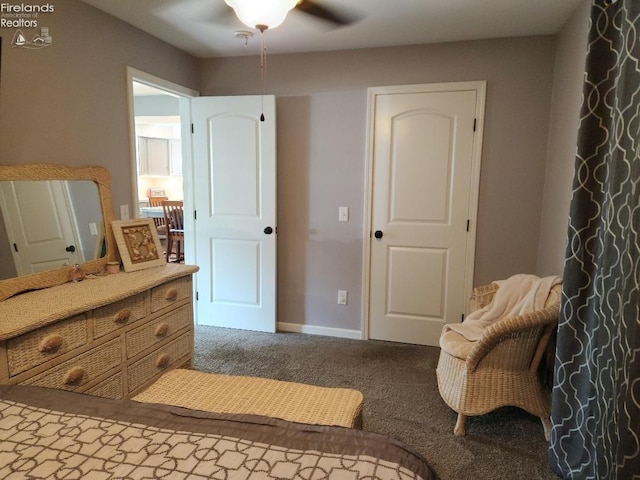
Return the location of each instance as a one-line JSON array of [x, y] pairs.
[[159, 221], [174, 220]]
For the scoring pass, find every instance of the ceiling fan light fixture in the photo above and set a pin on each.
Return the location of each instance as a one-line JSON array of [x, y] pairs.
[[261, 14]]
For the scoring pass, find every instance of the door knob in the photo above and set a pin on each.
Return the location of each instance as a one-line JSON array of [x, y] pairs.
[[71, 248], [378, 234], [268, 230]]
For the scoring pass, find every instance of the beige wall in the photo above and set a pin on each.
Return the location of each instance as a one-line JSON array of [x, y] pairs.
[[66, 103], [321, 107], [563, 132]]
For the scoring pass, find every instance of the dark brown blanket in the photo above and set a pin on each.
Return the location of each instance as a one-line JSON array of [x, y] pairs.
[[47, 433]]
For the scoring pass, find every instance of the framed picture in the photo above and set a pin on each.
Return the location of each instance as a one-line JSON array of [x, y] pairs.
[[138, 244]]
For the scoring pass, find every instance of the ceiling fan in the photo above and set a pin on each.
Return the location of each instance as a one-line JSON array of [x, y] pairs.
[[332, 15], [265, 14]]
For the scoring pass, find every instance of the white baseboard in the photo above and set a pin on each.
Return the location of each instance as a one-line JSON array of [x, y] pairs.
[[315, 330]]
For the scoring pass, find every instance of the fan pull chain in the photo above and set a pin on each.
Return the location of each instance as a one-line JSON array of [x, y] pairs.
[[263, 72]]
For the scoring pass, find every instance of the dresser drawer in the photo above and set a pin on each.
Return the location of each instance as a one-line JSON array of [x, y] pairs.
[[158, 361], [154, 332], [111, 317], [112, 387], [32, 349], [81, 369], [169, 293]]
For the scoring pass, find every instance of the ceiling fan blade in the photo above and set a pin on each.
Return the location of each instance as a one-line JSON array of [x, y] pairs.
[[331, 15]]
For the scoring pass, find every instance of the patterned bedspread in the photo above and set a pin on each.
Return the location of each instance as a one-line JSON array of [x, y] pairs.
[[52, 434]]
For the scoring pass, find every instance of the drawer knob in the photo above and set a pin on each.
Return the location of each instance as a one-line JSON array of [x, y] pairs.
[[162, 329], [163, 360], [74, 376], [122, 316], [171, 294], [51, 343]]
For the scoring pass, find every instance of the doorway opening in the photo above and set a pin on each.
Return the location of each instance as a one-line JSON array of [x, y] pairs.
[[159, 114], [158, 157]]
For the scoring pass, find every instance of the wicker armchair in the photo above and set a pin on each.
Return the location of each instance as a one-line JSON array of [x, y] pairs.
[[501, 368]]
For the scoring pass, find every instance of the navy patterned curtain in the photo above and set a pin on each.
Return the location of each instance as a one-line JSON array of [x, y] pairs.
[[596, 397]]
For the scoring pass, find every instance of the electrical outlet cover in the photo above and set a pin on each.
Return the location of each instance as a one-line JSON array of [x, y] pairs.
[[342, 297]]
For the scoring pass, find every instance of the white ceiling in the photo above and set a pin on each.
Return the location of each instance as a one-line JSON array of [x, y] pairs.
[[205, 28]]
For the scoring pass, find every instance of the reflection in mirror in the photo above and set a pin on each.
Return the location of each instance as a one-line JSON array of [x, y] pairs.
[[48, 203], [47, 224]]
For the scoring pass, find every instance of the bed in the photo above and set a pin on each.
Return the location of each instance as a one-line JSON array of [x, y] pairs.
[[48, 433]]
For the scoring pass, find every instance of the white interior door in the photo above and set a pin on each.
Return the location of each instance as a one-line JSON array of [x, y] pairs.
[[40, 225], [235, 200], [423, 194]]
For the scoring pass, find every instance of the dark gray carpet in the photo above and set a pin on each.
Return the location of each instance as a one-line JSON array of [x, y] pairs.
[[401, 397]]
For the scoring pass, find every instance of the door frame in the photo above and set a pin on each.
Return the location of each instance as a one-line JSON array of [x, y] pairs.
[[474, 188], [185, 95]]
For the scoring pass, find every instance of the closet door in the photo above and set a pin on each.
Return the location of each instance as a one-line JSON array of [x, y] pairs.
[[424, 189]]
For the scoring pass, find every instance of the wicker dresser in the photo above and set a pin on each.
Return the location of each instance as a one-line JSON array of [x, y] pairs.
[[110, 336]]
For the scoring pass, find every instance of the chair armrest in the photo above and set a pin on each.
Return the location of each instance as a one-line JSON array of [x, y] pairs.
[[496, 332], [482, 296]]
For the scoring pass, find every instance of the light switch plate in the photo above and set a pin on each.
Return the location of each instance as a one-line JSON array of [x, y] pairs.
[[124, 212], [343, 214]]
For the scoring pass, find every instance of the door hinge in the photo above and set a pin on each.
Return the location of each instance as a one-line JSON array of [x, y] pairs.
[[475, 120], [462, 317], [15, 247], [197, 296], [468, 224], [195, 214], [192, 128]]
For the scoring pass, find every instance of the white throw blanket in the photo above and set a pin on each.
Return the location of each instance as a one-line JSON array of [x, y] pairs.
[[516, 295]]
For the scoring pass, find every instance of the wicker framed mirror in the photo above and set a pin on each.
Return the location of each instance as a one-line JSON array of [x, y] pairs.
[[19, 185]]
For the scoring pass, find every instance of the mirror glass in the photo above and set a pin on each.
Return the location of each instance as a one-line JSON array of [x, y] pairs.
[[52, 217], [48, 224]]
